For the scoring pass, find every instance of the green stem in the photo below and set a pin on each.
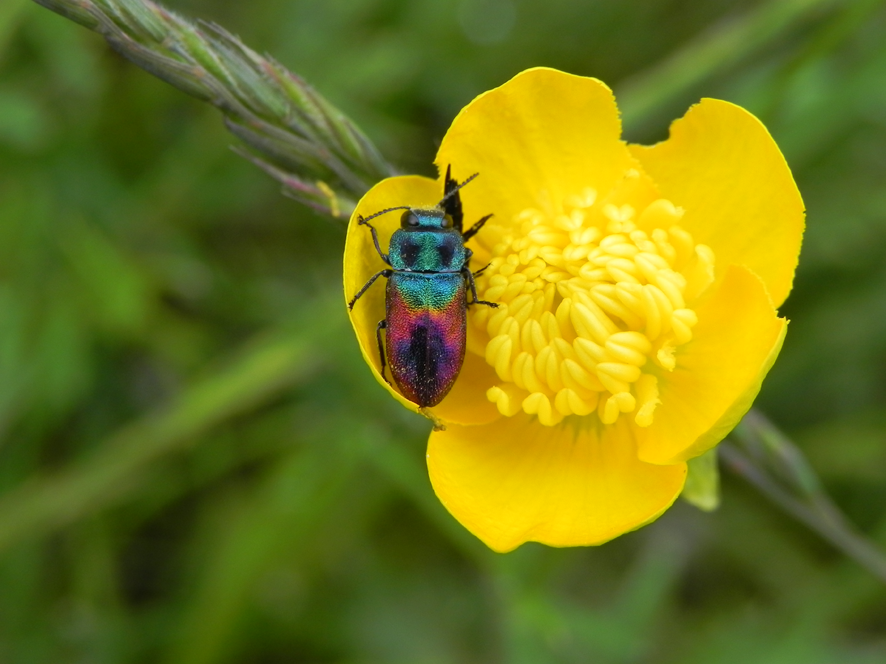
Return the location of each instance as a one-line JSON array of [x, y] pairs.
[[763, 456]]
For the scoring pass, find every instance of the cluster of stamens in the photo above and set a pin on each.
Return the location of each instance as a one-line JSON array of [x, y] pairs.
[[590, 308]]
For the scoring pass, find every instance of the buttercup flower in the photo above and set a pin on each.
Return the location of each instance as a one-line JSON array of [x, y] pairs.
[[637, 290]]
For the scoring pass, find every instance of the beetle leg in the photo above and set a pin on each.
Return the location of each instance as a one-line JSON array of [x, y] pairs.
[[362, 222], [469, 277], [383, 273], [452, 202], [382, 325], [473, 230], [468, 255], [482, 270]]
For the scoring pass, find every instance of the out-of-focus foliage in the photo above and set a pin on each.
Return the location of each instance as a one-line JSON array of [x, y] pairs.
[[195, 466]]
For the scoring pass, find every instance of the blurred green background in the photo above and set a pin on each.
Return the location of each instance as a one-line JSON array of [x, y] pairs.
[[195, 464]]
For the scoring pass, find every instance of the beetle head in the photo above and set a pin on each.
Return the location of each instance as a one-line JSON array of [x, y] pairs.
[[425, 219]]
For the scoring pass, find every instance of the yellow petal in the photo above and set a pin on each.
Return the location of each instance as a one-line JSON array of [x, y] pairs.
[[516, 481], [467, 402], [542, 136], [718, 374], [721, 165]]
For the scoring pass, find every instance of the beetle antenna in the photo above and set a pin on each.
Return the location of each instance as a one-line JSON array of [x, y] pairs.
[[363, 220], [457, 187]]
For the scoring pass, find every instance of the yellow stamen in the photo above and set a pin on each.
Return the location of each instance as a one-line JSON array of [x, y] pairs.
[[594, 301]]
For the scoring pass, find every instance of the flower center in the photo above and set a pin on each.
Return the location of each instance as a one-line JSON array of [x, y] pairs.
[[591, 308]]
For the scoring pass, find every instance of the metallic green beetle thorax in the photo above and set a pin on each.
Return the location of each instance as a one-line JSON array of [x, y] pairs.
[[427, 251]]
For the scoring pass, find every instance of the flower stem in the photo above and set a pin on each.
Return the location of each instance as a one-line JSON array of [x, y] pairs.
[[319, 156], [767, 459]]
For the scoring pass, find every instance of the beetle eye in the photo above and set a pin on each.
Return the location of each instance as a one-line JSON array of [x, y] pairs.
[[446, 222], [409, 220]]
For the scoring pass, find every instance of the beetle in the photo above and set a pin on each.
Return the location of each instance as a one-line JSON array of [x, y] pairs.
[[426, 299]]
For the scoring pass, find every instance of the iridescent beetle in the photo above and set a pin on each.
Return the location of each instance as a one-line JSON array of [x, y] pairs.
[[426, 299]]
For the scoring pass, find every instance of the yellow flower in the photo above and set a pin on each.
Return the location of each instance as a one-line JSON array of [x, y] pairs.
[[637, 287]]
